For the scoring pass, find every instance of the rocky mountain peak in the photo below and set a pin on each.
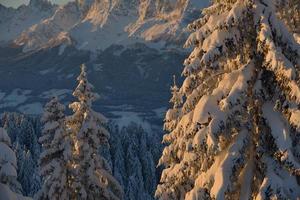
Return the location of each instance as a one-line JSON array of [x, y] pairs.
[[97, 24]]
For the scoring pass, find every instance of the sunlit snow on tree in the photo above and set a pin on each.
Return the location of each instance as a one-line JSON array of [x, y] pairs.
[[55, 160], [237, 136], [92, 174]]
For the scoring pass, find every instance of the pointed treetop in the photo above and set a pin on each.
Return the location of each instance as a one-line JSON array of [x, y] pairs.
[[83, 74], [177, 97], [84, 89], [53, 107], [54, 100], [174, 80], [174, 84]]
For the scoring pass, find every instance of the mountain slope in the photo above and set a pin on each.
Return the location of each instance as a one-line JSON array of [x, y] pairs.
[[51, 31], [165, 20], [97, 24], [15, 21], [96, 32]]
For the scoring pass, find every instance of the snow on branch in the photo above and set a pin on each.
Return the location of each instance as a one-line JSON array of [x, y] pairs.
[[281, 134]]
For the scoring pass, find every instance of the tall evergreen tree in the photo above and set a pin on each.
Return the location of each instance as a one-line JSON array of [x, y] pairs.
[[93, 179], [55, 160], [238, 134]]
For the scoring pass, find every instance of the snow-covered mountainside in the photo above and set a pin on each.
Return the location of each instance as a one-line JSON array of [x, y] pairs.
[[165, 20], [51, 31], [97, 24], [42, 46], [14, 21]]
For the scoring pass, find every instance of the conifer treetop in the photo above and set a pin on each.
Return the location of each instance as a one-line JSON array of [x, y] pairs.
[[53, 107], [84, 89], [176, 94]]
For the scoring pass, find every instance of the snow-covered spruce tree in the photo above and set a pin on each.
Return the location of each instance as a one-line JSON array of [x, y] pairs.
[[238, 135], [55, 160], [93, 179], [10, 188]]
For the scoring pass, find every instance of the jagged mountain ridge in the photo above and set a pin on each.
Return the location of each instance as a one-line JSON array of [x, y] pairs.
[[14, 21], [97, 24]]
